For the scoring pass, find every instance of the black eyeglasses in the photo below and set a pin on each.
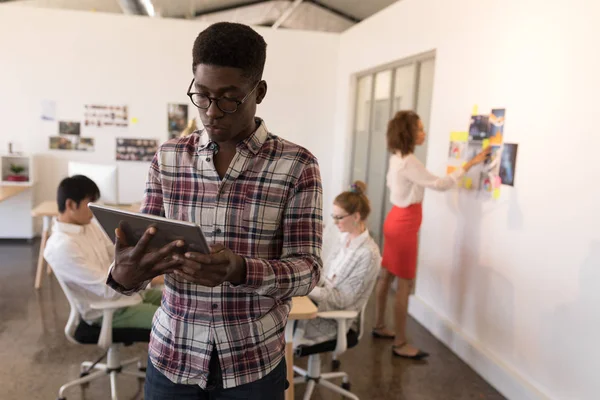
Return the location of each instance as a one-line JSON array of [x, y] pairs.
[[227, 105], [339, 217]]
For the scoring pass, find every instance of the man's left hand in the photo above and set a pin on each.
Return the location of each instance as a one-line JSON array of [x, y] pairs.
[[221, 265]]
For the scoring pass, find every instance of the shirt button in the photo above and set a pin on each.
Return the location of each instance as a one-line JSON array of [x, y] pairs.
[[208, 159], [218, 231], [215, 306]]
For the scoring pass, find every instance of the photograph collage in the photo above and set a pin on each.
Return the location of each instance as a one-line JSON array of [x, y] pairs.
[[499, 168]]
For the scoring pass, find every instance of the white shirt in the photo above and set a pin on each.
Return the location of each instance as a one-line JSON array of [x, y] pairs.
[[350, 275], [81, 255], [407, 179]]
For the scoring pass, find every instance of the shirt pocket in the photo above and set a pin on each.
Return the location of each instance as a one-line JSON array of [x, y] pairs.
[[262, 212]]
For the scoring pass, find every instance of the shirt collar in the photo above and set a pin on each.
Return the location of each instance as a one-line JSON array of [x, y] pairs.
[[253, 142], [64, 227], [357, 241]]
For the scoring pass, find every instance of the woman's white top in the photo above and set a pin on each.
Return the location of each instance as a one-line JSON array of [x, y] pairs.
[[407, 179], [349, 277]]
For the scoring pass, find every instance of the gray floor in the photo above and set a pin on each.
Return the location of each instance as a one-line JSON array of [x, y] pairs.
[[36, 359]]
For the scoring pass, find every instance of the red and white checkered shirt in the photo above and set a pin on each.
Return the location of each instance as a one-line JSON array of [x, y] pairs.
[[268, 209]]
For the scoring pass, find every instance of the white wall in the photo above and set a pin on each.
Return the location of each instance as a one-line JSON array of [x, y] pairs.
[[78, 58], [512, 285]]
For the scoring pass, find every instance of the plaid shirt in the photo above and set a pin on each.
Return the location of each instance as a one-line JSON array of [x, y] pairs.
[[268, 209]]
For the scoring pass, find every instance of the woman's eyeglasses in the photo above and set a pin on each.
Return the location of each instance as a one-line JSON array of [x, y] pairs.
[[339, 217]]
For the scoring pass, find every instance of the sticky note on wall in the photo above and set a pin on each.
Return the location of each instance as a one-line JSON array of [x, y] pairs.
[[475, 110], [496, 194], [468, 183], [485, 143], [459, 136]]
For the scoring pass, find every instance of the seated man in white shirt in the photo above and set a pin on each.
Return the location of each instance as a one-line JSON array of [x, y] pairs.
[[80, 254]]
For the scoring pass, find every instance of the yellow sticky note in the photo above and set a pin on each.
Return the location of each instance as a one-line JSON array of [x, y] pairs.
[[475, 110], [459, 136], [134, 120], [496, 194], [468, 183], [485, 143]]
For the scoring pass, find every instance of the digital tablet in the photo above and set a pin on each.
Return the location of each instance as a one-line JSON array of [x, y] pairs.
[[167, 230]]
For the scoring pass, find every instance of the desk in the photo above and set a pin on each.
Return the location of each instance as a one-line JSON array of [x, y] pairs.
[[302, 308], [7, 192], [47, 210]]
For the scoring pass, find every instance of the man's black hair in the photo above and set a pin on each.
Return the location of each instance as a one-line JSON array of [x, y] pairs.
[[76, 188], [227, 44]]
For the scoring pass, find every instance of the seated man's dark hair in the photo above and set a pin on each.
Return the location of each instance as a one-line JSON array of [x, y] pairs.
[[76, 188], [227, 44]]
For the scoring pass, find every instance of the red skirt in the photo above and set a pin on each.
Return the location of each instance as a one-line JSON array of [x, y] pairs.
[[400, 245]]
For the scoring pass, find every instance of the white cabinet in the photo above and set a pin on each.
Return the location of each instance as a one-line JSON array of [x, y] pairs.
[[16, 196]]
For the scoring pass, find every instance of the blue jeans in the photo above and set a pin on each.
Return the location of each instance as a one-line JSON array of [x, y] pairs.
[[270, 387]]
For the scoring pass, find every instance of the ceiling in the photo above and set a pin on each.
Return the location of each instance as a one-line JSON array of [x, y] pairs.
[[319, 15]]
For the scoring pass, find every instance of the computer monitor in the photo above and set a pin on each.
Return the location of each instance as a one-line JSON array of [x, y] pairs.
[[105, 176]]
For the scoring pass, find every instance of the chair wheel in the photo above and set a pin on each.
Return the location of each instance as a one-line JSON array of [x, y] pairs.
[[346, 386], [84, 373], [61, 398], [335, 364]]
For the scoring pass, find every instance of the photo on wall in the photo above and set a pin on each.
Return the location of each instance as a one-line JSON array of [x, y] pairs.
[[457, 150], [100, 116], [48, 110], [69, 128], [177, 118], [85, 144], [479, 127], [508, 164], [496, 124], [71, 142], [62, 143], [136, 149]]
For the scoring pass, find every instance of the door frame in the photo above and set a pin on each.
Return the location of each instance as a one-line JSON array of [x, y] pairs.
[[392, 66]]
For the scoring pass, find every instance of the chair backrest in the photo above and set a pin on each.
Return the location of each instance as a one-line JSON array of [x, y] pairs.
[[74, 316], [361, 322], [331, 238]]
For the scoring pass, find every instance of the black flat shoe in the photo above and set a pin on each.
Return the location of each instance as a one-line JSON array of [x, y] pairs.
[[378, 335], [419, 356]]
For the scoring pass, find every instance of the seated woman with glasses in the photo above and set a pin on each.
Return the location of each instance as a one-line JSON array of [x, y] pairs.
[[351, 270]]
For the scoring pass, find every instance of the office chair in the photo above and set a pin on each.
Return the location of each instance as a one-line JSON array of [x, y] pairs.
[[79, 332], [344, 341]]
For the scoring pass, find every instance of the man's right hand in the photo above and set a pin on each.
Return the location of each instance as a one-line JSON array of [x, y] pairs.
[[137, 264]]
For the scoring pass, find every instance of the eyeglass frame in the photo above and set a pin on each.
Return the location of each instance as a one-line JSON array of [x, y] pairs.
[[338, 218], [217, 99]]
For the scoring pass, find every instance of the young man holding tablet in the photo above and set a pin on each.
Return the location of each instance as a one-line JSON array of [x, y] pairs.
[[258, 199]]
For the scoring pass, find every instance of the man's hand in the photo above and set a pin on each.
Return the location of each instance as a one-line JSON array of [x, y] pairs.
[[137, 264], [221, 265]]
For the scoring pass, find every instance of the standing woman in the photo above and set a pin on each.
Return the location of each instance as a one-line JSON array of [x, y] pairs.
[[407, 179]]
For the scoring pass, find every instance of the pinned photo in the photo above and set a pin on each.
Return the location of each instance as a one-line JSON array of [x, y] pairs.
[[177, 115], [69, 128], [479, 127], [136, 149], [508, 164]]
